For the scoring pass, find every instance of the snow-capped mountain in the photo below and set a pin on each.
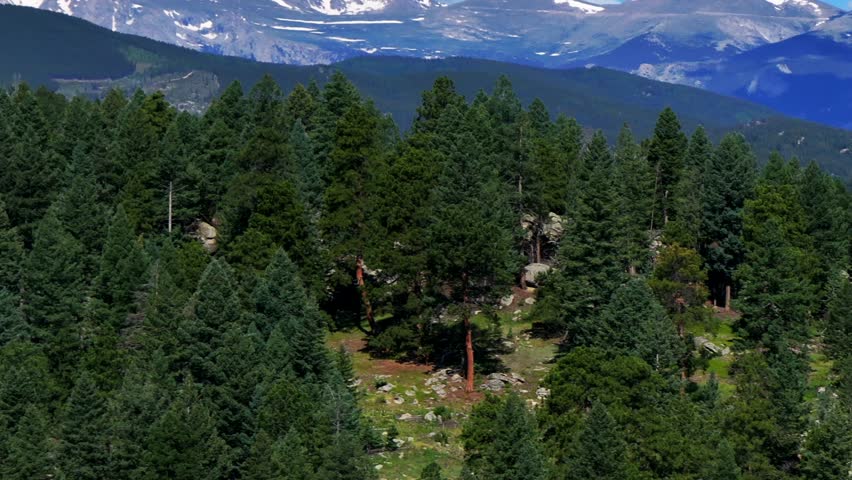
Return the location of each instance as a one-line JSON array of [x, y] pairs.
[[640, 34]]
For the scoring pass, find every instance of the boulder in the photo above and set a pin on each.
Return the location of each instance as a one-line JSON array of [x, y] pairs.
[[529, 300], [554, 227], [533, 271], [542, 393], [507, 300], [430, 417], [208, 235], [386, 388]]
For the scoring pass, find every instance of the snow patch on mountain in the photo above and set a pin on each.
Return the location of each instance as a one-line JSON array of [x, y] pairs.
[[27, 3], [584, 7], [783, 68], [801, 3]]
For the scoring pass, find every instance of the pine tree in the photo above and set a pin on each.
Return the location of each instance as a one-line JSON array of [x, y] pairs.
[[80, 208], [84, 450], [729, 182], [215, 309], [838, 333], [685, 228], [666, 155], [511, 451], [283, 306], [724, 464], [29, 454], [634, 323], [635, 186], [11, 254], [53, 292], [600, 451], [309, 181], [589, 263], [777, 293], [828, 445], [32, 168], [470, 236], [184, 440], [356, 148], [122, 265]]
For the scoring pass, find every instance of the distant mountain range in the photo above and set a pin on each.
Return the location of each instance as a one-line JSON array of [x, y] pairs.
[[77, 57], [729, 46]]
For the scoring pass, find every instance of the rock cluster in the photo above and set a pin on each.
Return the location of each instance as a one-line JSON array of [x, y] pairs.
[[498, 381]]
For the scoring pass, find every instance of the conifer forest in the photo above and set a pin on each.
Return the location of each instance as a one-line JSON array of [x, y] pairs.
[[202, 296]]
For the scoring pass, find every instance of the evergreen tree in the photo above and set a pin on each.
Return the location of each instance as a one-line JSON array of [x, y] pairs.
[[11, 254], [309, 181], [215, 309], [777, 293], [729, 182], [688, 193], [590, 265], [31, 171], [600, 451], [635, 186], [838, 333], [184, 442], [84, 450], [282, 306], [54, 292], [724, 464], [80, 208], [501, 442], [828, 445], [634, 323], [470, 236], [12, 324], [666, 152], [356, 148], [29, 454], [122, 266]]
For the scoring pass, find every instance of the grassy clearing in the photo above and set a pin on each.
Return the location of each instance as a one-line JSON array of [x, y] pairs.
[[426, 441]]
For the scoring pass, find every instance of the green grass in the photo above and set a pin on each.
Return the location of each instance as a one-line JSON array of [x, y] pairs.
[[819, 375]]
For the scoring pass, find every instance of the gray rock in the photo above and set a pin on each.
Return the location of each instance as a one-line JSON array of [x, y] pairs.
[[430, 417], [529, 300], [386, 387], [542, 393], [507, 300], [405, 417], [533, 271]]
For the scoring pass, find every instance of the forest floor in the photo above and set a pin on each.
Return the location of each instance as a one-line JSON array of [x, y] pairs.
[[413, 396], [405, 396]]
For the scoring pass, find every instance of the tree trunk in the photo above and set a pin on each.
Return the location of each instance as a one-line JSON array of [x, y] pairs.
[[538, 247], [468, 338], [727, 298], [368, 308], [170, 206], [468, 345]]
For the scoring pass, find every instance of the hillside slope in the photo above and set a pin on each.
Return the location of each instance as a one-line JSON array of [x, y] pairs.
[[77, 57]]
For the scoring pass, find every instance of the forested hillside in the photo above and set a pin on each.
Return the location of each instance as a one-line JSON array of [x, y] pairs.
[[74, 57], [167, 283]]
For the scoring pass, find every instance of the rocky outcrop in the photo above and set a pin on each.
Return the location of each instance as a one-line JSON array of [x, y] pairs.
[[533, 271], [208, 235]]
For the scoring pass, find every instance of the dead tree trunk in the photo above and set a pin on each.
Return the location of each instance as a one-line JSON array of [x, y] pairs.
[[727, 298], [171, 195], [365, 298], [468, 339]]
